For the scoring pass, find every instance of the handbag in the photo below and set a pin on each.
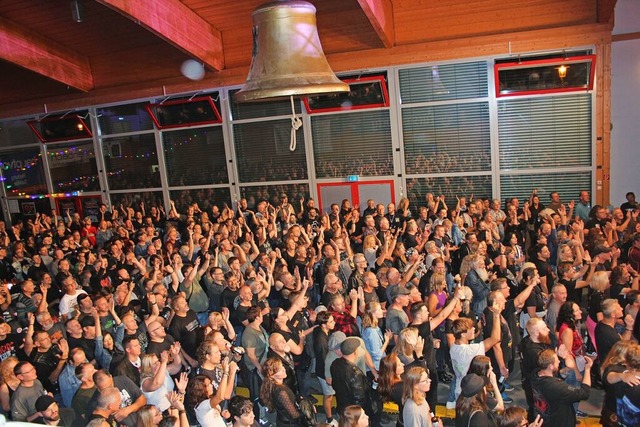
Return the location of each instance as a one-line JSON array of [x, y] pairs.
[[308, 411]]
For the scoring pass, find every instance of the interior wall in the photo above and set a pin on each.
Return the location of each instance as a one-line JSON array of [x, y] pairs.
[[625, 103]]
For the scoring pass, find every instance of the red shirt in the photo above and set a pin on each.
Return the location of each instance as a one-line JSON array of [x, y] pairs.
[[345, 322]]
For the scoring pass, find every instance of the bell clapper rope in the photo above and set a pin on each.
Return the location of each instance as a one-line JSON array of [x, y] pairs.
[[296, 123]]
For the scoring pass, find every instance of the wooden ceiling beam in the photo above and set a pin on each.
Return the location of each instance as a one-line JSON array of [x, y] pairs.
[[605, 10], [178, 25], [380, 14], [34, 52]]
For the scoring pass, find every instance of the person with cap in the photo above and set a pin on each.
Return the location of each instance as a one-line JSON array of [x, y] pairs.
[[473, 408], [554, 398], [397, 318], [51, 414], [605, 257], [351, 384]]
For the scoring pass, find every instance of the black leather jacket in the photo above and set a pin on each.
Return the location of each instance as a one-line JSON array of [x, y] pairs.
[[351, 385]]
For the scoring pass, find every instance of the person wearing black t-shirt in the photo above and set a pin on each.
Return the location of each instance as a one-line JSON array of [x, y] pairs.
[[537, 340], [554, 398], [605, 332], [186, 329], [541, 260], [159, 341]]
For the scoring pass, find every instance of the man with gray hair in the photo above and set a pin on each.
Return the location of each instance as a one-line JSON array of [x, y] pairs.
[[356, 280], [107, 404], [478, 280], [606, 334]]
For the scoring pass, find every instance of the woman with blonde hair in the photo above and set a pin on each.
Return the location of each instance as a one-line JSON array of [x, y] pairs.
[[416, 411], [599, 283], [155, 381], [220, 322], [410, 347], [375, 343], [9, 383], [369, 249], [149, 416]]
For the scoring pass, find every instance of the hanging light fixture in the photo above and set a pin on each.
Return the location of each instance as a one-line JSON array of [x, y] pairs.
[[562, 71], [287, 55]]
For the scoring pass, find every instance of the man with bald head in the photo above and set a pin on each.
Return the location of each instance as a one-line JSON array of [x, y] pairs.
[[332, 286], [558, 297], [279, 349]]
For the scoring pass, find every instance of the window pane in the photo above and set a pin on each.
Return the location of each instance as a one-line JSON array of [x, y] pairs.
[[568, 185], [131, 162], [557, 76], [263, 153], [447, 138], [16, 132], [124, 118], [252, 110], [545, 132], [352, 144], [450, 187], [150, 198], [195, 157], [73, 167], [273, 193], [443, 82], [205, 197], [23, 173]]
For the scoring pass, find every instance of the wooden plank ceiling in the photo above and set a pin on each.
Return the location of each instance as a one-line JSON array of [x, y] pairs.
[[125, 49]]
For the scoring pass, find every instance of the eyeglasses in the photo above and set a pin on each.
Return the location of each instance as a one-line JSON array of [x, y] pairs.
[[26, 372]]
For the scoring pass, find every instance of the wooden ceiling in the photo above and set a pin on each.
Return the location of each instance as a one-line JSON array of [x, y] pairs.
[[127, 49]]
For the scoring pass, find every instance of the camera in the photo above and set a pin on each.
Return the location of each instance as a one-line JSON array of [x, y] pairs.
[[237, 350], [56, 350]]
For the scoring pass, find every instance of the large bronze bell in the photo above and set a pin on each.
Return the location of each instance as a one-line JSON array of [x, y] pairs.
[[287, 56]]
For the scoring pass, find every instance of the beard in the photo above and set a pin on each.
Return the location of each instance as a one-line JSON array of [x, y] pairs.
[[544, 339], [483, 274]]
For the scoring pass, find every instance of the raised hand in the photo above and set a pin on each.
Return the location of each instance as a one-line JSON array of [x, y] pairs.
[[182, 381]]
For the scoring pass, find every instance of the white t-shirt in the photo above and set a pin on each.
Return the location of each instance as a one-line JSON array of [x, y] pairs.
[[461, 357], [208, 416], [69, 302]]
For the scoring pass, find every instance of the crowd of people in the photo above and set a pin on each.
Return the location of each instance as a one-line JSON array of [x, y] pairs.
[[150, 318]]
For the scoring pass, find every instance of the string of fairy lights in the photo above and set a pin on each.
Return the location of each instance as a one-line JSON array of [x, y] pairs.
[[78, 153]]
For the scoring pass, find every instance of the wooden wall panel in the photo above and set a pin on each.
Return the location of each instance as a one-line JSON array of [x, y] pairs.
[[417, 21]]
